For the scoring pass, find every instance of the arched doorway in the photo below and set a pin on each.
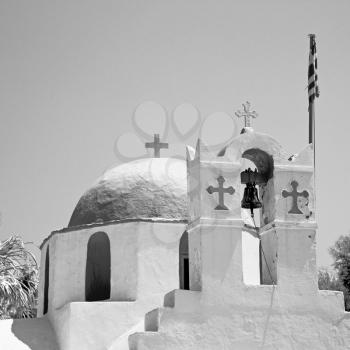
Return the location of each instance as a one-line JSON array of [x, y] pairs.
[[184, 267], [98, 268], [46, 281]]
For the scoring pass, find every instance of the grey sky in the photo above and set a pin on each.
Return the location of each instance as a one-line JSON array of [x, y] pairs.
[[73, 72]]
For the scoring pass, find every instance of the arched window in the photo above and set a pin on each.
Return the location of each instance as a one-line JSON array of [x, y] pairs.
[[98, 268], [46, 281], [184, 268]]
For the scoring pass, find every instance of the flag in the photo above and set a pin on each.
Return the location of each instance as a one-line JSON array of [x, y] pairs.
[[313, 88]]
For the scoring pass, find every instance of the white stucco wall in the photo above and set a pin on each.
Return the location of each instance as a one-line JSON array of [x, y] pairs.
[[256, 318], [144, 259], [227, 314], [101, 325], [223, 312], [144, 267], [250, 259], [26, 334]]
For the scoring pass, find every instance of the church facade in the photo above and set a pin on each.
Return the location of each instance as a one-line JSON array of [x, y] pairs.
[[118, 256], [154, 257]]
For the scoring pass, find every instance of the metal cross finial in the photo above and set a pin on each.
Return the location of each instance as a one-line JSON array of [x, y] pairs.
[[247, 114], [295, 194], [156, 145], [221, 190]]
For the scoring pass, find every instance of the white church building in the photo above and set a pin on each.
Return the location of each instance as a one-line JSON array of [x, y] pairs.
[[159, 255]]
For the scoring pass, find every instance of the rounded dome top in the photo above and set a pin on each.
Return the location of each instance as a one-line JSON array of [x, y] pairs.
[[145, 188]]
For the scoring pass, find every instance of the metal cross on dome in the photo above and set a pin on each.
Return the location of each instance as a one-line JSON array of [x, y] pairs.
[[247, 114], [295, 194], [156, 145], [221, 191]]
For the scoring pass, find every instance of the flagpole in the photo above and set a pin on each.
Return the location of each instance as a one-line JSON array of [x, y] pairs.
[[312, 127], [312, 108]]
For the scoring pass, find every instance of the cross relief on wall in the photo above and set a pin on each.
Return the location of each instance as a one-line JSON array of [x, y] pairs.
[[221, 193], [300, 200]]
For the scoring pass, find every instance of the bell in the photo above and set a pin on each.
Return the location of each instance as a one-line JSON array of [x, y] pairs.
[[250, 198]]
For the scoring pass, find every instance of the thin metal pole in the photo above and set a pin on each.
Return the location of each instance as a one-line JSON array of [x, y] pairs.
[[312, 109], [312, 125]]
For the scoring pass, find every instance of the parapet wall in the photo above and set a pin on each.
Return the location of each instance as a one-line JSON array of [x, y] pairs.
[[224, 313]]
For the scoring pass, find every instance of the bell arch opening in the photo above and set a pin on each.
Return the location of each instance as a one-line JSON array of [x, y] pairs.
[[184, 263], [259, 191], [265, 167], [262, 160], [250, 240], [98, 268]]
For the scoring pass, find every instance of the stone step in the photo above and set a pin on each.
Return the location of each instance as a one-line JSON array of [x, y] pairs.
[[169, 299], [152, 320], [184, 300], [140, 339], [122, 342]]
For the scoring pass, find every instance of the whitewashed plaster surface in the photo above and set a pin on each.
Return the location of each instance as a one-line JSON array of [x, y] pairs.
[[144, 266], [221, 311], [27, 334], [258, 317]]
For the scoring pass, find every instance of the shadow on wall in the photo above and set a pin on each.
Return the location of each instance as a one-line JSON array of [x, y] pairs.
[[36, 333]]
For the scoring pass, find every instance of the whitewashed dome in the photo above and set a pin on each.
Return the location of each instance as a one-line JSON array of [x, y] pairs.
[[144, 188]]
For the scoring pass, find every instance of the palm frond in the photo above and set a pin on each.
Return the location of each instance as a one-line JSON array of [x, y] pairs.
[[18, 279]]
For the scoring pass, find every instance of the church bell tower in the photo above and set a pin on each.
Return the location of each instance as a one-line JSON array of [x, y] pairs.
[[287, 214]]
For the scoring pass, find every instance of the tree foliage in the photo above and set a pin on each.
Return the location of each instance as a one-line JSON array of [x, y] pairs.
[[329, 280], [341, 255], [18, 280], [339, 279]]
